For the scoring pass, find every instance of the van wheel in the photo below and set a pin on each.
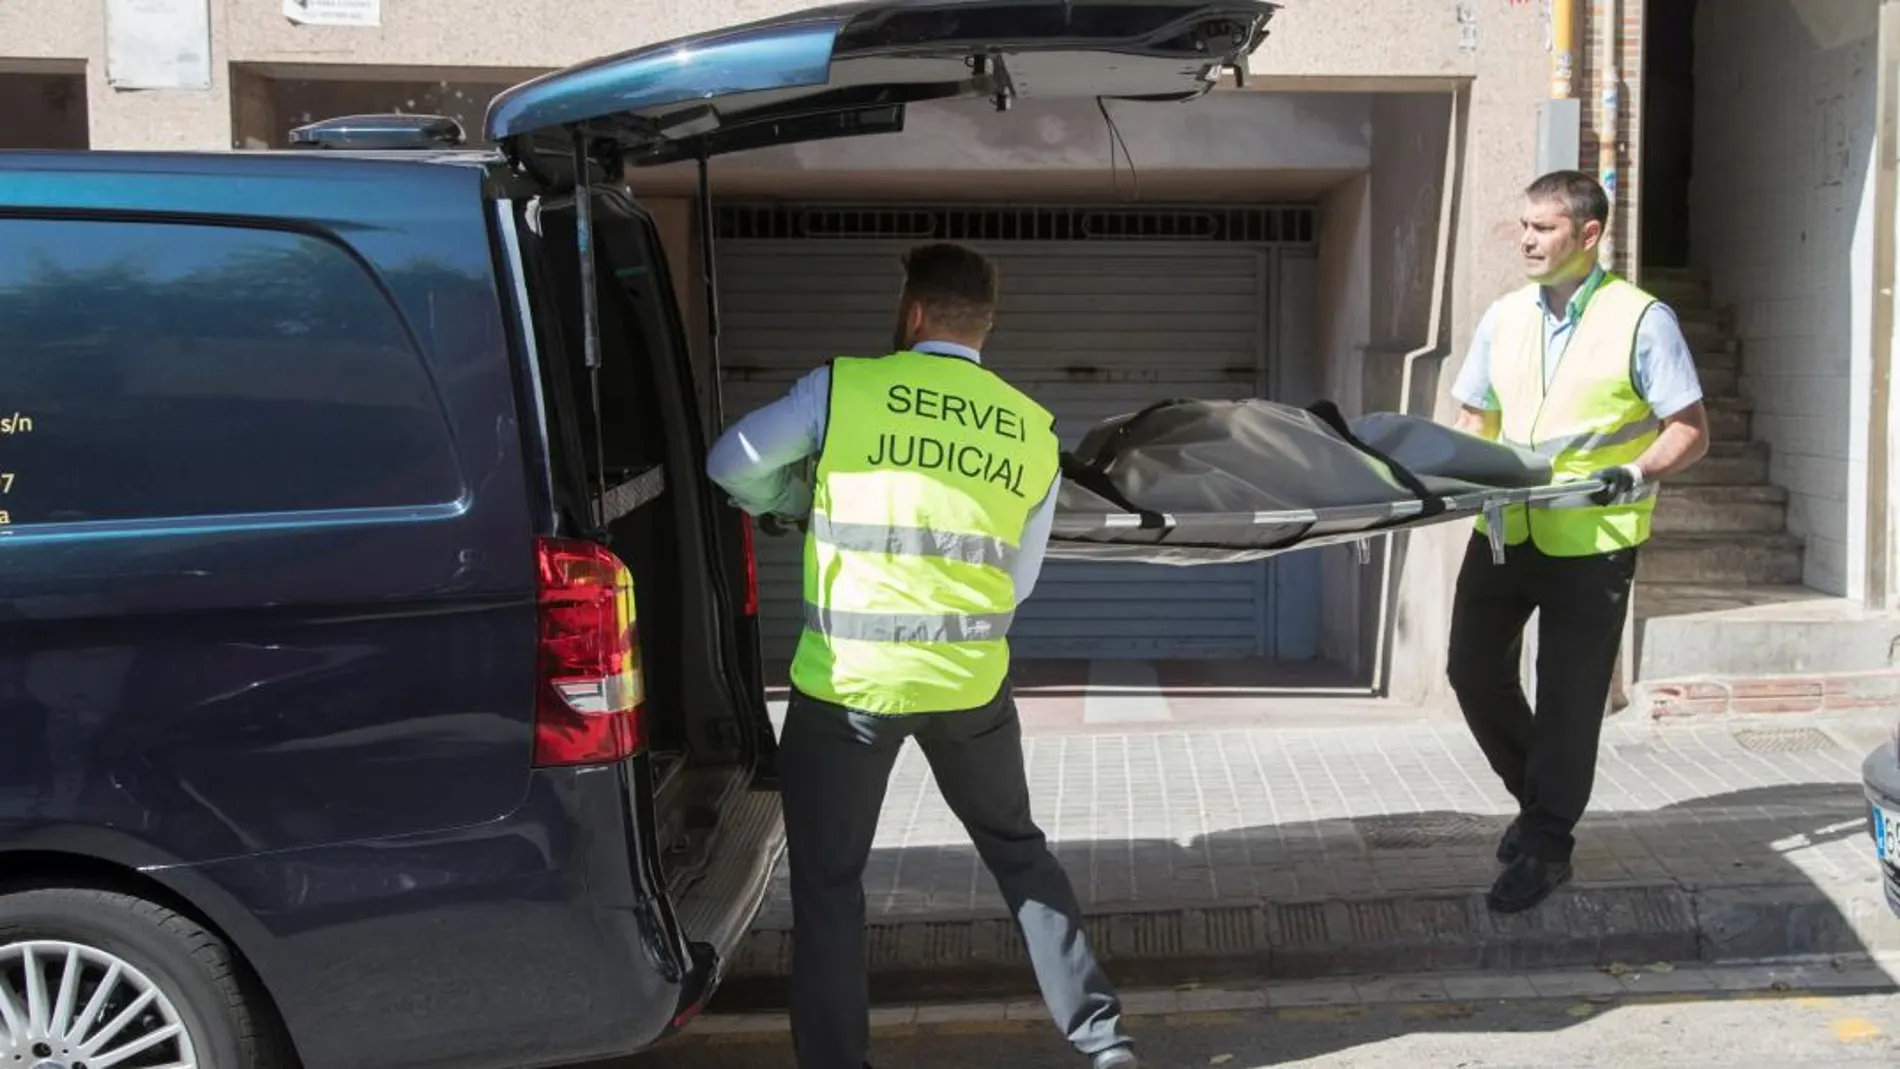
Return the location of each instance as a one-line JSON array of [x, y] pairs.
[[95, 978]]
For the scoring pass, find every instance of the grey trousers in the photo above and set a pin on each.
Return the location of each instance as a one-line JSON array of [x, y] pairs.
[[835, 765]]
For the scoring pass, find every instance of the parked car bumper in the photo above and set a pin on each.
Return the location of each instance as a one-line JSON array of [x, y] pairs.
[[1880, 775]]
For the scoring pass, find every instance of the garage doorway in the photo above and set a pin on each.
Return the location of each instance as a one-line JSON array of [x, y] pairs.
[[44, 110], [1104, 310]]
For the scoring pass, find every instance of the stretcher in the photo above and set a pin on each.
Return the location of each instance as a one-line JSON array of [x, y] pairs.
[[1223, 482], [1196, 538]]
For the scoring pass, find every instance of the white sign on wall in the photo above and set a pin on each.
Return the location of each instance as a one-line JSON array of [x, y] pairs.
[[158, 44], [334, 12]]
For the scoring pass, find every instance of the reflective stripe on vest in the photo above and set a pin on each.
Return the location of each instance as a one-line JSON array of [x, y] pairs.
[[930, 471], [1591, 416]]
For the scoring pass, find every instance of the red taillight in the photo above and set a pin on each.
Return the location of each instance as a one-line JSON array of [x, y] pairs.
[[751, 567], [587, 702], [689, 1014]]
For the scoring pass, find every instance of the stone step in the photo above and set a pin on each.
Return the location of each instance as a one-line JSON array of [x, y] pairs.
[[1710, 335], [1680, 288], [1712, 509], [1733, 558], [1688, 273], [1690, 630], [1720, 381], [1703, 317], [1707, 360], [1730, 418], [1727, 464], [1713, 349]]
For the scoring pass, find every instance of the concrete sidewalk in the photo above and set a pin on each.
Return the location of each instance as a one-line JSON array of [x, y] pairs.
[[1365, 848]]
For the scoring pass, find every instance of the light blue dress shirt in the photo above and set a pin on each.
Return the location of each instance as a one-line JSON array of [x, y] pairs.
[[1665, 369], [760, 460]]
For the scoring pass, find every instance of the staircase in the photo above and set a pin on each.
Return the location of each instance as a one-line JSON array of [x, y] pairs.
[[1721, 524], [1718, 587]]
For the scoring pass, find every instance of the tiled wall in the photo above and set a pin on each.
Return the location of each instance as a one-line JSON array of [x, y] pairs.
[[1784, 129]]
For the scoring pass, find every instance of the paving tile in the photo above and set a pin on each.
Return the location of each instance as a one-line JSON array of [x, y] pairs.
[[1575, 984], [967, 1011], [1481, 987], [893, 1016], [1401, 989], [1667, 980], [1222, 1001], [1192, 814], [1757, 977], [1313, 993], [1864, 977], [1025, 1010], [1151, 1003], [742, 1023]]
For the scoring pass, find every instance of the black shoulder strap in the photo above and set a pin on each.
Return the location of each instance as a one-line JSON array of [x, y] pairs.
[[1093, 479], [1328, 413], [1105, 453]]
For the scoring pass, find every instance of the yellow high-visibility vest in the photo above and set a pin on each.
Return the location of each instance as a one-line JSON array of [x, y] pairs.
[[1587, 417], [930, 470]]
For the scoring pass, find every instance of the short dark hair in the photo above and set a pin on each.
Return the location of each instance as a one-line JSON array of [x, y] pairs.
[[955, 284], [1581, 195]]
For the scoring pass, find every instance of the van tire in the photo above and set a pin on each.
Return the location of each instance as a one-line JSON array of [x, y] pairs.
[[227, 1019]]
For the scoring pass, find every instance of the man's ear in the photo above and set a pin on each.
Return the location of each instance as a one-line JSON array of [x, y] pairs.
[[1592, 234], [914, 319]]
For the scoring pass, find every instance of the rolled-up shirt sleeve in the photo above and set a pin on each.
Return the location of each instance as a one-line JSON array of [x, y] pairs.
[[1665, 367], [759, 459], [1472, 388]]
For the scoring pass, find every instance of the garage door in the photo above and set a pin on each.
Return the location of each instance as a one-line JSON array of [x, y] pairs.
[[1090, 329]]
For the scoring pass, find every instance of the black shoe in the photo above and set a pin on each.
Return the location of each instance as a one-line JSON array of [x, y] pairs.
[[1528, 881], [1116, 1058], [1512, 844]]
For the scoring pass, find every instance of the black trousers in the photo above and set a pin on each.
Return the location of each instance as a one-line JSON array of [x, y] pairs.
[[1547, 760], [835, 764]]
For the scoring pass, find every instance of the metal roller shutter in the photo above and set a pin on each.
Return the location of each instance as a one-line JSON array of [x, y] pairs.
[[1090, 329]]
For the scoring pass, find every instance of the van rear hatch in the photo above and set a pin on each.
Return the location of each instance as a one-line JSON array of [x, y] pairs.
[[833, 72], [850, 70]]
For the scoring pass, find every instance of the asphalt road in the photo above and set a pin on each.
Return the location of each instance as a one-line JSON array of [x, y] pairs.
[[1684, 1031]]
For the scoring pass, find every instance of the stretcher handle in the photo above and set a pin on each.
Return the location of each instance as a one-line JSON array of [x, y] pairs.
[[1494, 513], [1494, 531]]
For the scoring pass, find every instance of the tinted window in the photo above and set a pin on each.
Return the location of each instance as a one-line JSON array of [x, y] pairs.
[[170, 370]]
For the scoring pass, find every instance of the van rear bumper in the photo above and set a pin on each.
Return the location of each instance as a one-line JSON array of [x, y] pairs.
[[536, 939]]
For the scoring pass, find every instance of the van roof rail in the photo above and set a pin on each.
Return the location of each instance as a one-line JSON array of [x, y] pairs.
[[359, 132]]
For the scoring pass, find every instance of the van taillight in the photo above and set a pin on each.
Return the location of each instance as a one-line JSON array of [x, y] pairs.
[[588, 697], [751, 567]]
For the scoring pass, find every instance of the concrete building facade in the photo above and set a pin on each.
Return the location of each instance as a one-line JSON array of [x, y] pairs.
[[1333, 229]]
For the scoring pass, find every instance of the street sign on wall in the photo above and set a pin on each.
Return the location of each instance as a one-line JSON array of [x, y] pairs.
[[158, 44]]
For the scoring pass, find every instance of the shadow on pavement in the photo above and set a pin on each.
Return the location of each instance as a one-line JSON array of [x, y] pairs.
[[1762, 872]]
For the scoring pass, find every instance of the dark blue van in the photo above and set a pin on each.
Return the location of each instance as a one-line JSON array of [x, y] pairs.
[[379, 679]]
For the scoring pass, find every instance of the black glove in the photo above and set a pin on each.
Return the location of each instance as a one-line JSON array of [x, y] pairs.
[[1619, 483]]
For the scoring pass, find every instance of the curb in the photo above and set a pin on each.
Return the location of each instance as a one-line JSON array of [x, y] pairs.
[[1830, 692], [1440, 996], [982, 957]]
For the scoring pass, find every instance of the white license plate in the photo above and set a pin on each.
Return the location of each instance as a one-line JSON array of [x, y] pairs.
[[1886, 834]]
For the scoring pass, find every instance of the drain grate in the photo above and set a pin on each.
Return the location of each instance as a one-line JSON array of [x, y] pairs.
[[1784, 740], [1415, 830]]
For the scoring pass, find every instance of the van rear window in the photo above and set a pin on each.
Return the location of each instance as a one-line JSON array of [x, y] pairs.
[[154, 370]]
